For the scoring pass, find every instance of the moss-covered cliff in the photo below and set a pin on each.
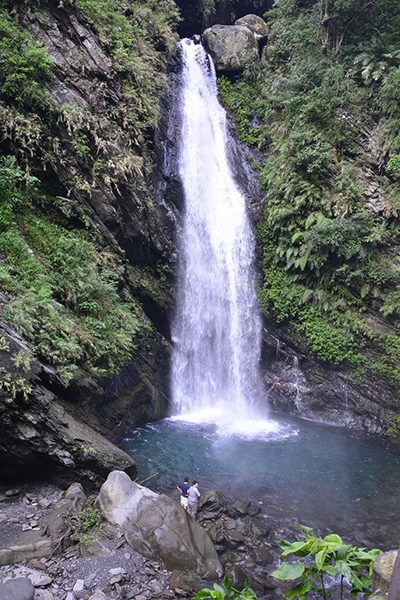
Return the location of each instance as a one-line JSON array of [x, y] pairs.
[[86, 239]]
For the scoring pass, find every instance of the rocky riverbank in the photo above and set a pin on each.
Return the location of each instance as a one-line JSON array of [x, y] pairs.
[[41, 527], [101, 564]]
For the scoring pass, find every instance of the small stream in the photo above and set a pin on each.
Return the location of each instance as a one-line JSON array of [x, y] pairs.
[[326, 477]]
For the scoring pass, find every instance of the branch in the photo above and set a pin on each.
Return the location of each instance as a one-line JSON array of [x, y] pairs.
[[147, 478]]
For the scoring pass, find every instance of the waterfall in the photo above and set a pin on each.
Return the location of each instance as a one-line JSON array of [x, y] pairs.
[[217, 327]]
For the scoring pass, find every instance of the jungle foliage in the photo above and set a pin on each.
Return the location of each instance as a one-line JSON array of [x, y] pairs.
[[323, 110], [60, 289]]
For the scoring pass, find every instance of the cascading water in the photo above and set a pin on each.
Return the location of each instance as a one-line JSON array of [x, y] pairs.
[[217, 327]]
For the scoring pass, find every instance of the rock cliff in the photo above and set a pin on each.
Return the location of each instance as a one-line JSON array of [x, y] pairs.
[[96, 161]]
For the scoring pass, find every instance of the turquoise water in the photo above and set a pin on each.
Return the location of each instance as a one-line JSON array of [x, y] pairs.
[[325, 477]]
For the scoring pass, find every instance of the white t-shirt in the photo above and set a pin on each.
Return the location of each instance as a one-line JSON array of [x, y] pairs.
[[193, 494]]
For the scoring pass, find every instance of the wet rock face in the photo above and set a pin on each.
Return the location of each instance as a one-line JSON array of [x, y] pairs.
[[245, 544], [167, 136], [41, 438], [64, 434], [297, 382]]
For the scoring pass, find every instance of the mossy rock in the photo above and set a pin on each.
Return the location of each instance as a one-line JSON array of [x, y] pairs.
[[383, 569]]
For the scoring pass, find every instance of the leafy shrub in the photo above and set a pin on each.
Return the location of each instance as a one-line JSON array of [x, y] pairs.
[[376, 57], [343, 238], [241, 99], [393, 166], [15, 185], [89, 518], [389, 93], [25, 64], [331, 335], [81, 525], [225, 592], [330, 556], [54, 286]]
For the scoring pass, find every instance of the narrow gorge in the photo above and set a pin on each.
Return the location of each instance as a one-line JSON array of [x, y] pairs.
[[89, 242]]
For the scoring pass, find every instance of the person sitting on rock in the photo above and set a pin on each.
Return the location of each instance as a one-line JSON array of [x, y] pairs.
[[193, 497], [184, 490]]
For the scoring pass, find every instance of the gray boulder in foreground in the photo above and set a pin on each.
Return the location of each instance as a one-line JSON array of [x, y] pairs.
[[20, 588], [158, 527], [232, 47]]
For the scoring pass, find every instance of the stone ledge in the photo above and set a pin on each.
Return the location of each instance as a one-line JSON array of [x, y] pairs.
[[16, 554]]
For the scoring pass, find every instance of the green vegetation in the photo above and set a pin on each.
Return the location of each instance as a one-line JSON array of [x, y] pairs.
[[225, 592], [16, 380], [100, 141], [25, 65], [330, 556], [89, 518], [324, 112], [64, 289], [138, 40], [82, 526], [242, 100]]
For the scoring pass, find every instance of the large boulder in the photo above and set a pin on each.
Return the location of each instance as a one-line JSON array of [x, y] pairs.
[[382, 573], [232, 47], [256, 24], [158, 527], [20, 588]]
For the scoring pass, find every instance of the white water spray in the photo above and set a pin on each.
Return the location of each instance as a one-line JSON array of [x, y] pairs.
[[217, 327]]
